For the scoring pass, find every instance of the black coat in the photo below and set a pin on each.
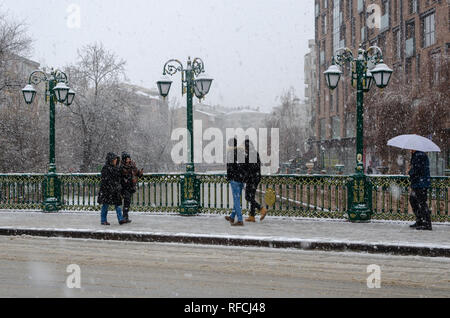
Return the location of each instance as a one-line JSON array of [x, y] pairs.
[[129, 177], [252, 167], [110, 188], [420, 171], [236, 165]]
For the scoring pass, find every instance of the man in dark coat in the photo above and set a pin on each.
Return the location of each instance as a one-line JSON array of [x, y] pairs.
[[252, 180], [129, 177], [236, 177], [110, 189], [420, 183]]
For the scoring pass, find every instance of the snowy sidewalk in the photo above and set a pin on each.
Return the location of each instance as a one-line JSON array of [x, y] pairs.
[[378, 236]]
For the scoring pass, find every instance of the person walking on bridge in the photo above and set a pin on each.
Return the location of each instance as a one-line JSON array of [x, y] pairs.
[[129, 178], [236, 176], [252, 180], [110, 189], [420, 183]]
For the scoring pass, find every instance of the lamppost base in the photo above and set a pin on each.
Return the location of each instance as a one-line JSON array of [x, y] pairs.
[[190, 194], [360, 214], [359, 199], [51, 205], [189, 208]]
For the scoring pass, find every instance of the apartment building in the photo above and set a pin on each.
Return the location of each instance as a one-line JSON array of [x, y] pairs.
[[414, 35]]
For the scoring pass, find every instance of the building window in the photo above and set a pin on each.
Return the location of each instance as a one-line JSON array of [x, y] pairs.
[[385, 15], [336, 127], [323, 129], [349, 9], [350, 125], [413, 7], [429, 30], [397, 45], [353, 32], [360, 6], [322, 53], [395, 13], [337, 100], [324, 24], [337, 22], [331, 102], [408, 66], [382, 42], [436, 64], [410, 39]]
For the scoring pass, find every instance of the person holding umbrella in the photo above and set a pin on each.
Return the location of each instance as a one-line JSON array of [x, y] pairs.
[[419, 174]]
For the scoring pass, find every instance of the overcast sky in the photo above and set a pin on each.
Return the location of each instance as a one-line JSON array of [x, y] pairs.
[[254, 49]]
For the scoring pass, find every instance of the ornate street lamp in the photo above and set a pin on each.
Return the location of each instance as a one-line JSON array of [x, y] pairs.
[[199, 95], [70, 97], [61, 90], [367, 82], [56, 91], [382, 74], [29, 93], [359, 188], [333, 75], [164, 86], [193, 81], [203, 84]]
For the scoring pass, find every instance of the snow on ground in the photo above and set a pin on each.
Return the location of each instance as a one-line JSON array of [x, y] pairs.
[[273, 228], [36, 267]]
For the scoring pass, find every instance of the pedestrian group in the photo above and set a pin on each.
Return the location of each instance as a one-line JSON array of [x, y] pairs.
[[120, 176]]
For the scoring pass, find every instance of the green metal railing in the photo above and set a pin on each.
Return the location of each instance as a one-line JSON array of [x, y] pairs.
[[317, 196]]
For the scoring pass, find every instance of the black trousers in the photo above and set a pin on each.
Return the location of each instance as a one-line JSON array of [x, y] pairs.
[[126, 203], [250, 196], [418, 200]]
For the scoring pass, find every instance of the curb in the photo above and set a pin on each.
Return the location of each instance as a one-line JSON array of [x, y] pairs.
[[405, 250]]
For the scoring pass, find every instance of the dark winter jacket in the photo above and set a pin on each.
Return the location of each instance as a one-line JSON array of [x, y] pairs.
[[252, 167], [110, 188], [129, 177], [420, 171], [236, 165]]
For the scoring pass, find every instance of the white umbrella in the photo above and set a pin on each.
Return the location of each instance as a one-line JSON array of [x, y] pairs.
[[414, 142]]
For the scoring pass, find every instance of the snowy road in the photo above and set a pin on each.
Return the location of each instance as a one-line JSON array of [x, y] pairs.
[[36, 267]]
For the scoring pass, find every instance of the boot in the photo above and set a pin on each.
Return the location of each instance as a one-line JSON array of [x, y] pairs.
[[250, 219], [263, 213], [426, 227], [415, 225], [127, 219], [229, 219], [238, 224], [124, 222], [426, 224], [106, 224]]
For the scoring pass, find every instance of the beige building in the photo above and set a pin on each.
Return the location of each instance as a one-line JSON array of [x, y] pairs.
[[311, 86]]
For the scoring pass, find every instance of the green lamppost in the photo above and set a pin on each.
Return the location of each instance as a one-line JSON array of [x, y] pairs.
[[366, 68], [193, 81], [56, 90]]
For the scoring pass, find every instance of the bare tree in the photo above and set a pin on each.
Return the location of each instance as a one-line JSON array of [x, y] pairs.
[[293, 127], [418, 107], [100, 110], [14, 43]]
